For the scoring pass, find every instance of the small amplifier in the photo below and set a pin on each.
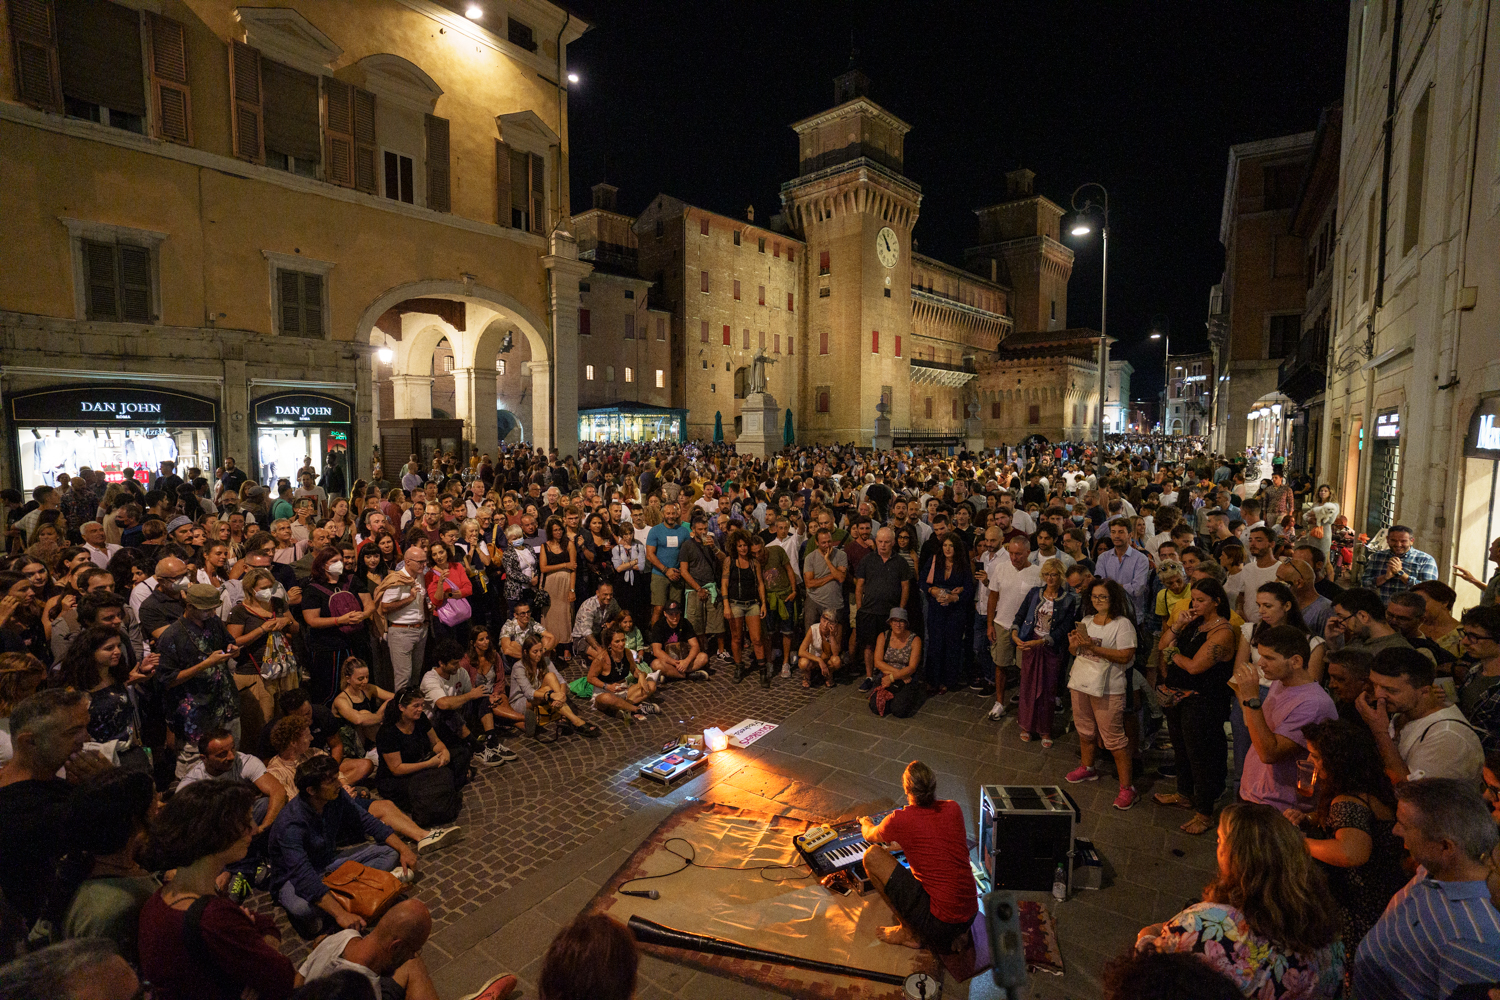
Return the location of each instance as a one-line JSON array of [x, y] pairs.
[[668, 767], [1025, 832]]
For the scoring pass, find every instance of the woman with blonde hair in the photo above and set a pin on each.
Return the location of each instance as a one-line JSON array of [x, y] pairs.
[[1267, 920]]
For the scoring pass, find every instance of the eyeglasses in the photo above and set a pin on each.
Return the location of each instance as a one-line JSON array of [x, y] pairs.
[[1473, 636]]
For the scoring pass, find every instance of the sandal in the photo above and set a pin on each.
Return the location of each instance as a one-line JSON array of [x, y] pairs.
[[1046, 743], [590, 730], [1173, 799], [1025, 736], [1197, 825], [805, 682]]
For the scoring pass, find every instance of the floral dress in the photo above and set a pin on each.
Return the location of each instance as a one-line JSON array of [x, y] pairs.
[[1219, 933], [1363, 892]]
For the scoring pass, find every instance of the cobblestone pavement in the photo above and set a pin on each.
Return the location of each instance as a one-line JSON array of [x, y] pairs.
[[545, 832]]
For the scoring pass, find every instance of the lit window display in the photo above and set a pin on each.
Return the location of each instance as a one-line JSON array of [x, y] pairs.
[[632, 422]]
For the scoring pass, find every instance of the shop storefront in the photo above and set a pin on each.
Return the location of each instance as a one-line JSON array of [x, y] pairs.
[[1482, 449], [632, 422], [1385, 471], [108, 427], [294, 429]]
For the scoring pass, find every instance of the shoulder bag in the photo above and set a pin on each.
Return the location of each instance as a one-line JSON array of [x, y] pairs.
[[363, 891]]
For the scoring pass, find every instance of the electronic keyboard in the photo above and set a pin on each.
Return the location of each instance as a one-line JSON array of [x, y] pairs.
[[840, 847]]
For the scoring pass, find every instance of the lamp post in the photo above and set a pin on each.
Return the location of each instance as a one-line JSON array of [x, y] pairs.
[[1165, 335], [1082, 227]]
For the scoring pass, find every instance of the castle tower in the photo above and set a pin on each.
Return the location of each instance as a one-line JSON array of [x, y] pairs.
[[1021, 247]]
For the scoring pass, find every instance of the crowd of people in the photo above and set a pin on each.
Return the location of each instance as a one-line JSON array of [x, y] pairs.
[[311, 678]]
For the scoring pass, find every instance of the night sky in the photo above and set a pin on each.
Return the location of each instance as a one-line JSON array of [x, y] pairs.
[[695, 100]]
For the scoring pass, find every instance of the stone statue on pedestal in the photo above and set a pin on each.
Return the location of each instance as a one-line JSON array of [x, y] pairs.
[[758, 370]]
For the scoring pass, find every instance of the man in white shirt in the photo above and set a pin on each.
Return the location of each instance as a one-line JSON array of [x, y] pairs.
[[789, 543], [405, 605], [1009, 580], [1417, 733], [93, 540], [221, 762], [388, 955], [1260, 567]]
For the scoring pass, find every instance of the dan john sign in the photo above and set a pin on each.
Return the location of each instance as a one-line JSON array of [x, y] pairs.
[[301, 408], [77, 405]]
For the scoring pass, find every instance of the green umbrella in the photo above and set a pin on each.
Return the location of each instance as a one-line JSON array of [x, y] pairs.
[[718, 427], [788, 436]]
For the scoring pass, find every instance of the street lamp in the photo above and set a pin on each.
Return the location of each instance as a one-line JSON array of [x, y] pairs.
[[1082, 227]]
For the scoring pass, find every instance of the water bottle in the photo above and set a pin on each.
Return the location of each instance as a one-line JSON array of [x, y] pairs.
[[1059, 884]]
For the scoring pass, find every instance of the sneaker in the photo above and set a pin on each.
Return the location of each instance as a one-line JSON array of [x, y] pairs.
[[649, 707], [449, 835], [724, 656], [1082, 773], [786, 671], [867, 685], [499, 988], [997, 712], [980, 685], [490, 758], [1125, 799], [699, 675], [502, 751], [655, 676], [239, 888]]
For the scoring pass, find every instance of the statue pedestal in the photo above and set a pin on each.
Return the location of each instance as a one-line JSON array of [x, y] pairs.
[[974, 433], [882, 441], [761, 423]]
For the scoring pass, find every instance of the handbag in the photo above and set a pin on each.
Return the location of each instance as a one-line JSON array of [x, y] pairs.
[[277, 659], [1317, 531], [363, 891], [341, 602], [454, 611]]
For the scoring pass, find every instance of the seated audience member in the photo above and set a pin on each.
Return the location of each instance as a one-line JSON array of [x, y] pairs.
[[1350, 829], [304, 847], [1151, 975], [85, 969], [361, 706], [1440, 931], [589, 619], [325, 725], [486, 670], [522, 626], [101, 886], [418, 771], [536, 684], [452, 704], [1348, 678], [221, 761], [615, 682], [593, 958], [819, 652], [675, 651], [898, 655], [1275, 722], [388, 956], [1418, 735], [935, 900], [1267, 920], [48, 731], [195, 943], [1479, 697]]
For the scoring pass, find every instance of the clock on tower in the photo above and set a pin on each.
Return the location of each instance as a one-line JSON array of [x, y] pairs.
[[887, 247]]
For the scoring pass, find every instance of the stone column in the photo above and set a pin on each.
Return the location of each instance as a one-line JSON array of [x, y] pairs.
[[413, 396], [565, 270], [236, 416], [882, 440], [474, 401], [538, 432]]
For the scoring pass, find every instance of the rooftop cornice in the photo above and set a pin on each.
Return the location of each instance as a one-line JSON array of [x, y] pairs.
[[849, 108]]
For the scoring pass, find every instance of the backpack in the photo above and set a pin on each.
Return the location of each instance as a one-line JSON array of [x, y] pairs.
[[432, 797]]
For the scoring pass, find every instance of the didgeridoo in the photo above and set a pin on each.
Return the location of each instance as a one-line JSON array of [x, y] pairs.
[[651, 932]]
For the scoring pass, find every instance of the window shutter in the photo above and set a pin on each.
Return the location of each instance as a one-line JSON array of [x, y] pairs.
[[338, 131], [246, 96], [291, 316], [169, 79], [502, 184], [135, 284], [439, 194], [102, 61], [364, 140], [538, 192], [99, 277], [312, 305], [33, 30]]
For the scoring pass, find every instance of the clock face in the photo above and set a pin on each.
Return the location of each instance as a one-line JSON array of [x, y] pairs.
[[887, 246]]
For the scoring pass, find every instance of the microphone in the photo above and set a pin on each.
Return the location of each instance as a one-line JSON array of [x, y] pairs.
[[646, 894]]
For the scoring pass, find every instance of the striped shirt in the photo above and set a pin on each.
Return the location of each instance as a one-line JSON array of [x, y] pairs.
[[1418, 566], [1433, 937]]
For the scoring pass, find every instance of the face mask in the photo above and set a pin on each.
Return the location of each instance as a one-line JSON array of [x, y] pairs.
[[1077, 518], [264, 595], [335, 569], [180, 584]]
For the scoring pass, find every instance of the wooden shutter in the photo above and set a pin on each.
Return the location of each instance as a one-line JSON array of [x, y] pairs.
[[291, 295], [439, 190], [99, 279], [102, 60], [538, 192], [312, 305], [170, 95], [247, 98], [502, 183], [364, 140], [33, 31], [338, 131], [135, 284]]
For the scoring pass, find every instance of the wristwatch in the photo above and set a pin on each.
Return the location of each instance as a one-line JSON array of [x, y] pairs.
[[1251, 703]]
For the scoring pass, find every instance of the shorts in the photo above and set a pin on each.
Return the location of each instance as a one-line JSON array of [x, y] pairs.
[[1104, 715], [914, 907], [706, 617], [664, 590], [778, 623], [744, 609], [581, 649], [867, 630], [1003, 650]]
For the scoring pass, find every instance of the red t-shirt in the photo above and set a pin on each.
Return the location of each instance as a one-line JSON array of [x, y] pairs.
[[937, 846], [231, 937]]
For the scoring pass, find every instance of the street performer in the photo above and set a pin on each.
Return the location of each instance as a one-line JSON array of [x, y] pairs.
[[936, 901]]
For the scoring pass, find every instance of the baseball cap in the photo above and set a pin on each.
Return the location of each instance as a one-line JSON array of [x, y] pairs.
[[202, 596], [673, 608]]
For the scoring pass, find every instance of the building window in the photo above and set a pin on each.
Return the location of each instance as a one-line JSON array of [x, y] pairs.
[[630, 326], [588, 372], [789, 340], [1416, 173], [1283, 335], [736, 289], [661, 379], [96, 48], [583, 286], [776, 250], [703, 333], [629, 375], [762, 294], [499, 366], [791, 255], [585, 326], [703, 226], [823, 262], [726, 335], [789, 302], [1033, 414], [447, 364], [898, 345], [1280, 185], [824, 291], [874, 341], [117, 279], [745, 345], [1054, 309], [630, 293], [703, 281], [762, 340], [927, 407], [398, 177], [522, 184], [994, 411], [300, 303], [736, 237], [289, 115], [822, 398], [822, 341], [609, 373], [661, 329], [520, 34], [887, 293], [762, 244]]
